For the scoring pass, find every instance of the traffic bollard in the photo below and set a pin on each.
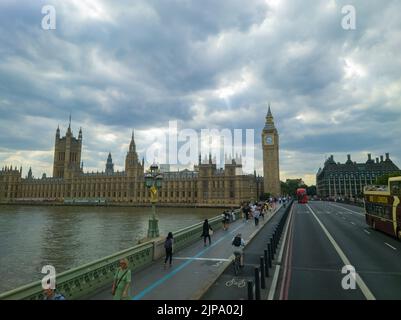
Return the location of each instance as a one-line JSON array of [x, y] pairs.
[[250, 290], [257, 284], [262, 273], [267, 263]]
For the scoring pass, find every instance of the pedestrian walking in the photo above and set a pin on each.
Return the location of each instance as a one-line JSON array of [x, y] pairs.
[[245, 212], [122, 282], [168, 245], [226, 219], [256, 215], [51, 294], [206, 231]]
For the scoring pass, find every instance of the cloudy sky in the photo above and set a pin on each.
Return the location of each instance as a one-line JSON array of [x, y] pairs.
[[119, 65]]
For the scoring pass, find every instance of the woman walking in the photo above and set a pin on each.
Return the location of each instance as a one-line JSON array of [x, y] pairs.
[[206, 232], [122, 282], [168, 245]]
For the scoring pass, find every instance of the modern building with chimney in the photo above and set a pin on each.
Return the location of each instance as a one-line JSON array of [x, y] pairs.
[[347, 180]]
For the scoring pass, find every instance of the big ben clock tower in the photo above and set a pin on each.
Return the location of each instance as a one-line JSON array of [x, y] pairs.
[[270, 145]]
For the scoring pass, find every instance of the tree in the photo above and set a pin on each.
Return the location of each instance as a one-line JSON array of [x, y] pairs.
[[311, 191], [383, 180]]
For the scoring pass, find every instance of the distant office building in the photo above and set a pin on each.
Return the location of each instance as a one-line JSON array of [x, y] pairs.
[[347, 180]]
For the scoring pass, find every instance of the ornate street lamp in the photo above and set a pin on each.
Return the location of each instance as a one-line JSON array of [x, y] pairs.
[[153, 181]]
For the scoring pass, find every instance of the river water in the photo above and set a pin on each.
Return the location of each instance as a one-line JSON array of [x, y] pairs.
[[69, 236]]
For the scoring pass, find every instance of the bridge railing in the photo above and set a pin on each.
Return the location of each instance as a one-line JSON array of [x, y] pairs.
[[82, 281]]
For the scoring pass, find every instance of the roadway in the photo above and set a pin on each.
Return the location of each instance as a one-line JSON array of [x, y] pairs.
[[325, 236]]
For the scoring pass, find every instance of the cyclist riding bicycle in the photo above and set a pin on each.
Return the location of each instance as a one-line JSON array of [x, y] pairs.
[[238, 245]]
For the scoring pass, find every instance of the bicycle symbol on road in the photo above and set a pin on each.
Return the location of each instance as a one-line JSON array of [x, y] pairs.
[[240, 284]]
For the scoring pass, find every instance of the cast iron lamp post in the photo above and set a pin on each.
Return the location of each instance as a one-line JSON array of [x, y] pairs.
[[153, 181]]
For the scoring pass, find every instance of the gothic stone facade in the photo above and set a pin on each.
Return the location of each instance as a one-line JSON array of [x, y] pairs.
[[206, 185], [347, 180], [271, 164]]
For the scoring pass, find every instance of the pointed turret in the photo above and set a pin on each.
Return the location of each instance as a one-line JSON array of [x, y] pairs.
[[69, 133], [109, 165], [132, 146], [80, 134], [269, 124], [58, 132], [30, 173]]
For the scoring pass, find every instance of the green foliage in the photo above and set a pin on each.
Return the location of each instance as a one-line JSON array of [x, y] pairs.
[[311, 191]]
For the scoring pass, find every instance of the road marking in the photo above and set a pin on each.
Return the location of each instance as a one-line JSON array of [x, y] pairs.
[[394, 248], [274, 283], [273, 287], [366, 231], [201, 259], [341, 207], [155, 284], [353, 223], [364, 288]]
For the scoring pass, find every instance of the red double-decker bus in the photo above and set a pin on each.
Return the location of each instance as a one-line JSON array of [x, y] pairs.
[[302, 196], [382, 207]]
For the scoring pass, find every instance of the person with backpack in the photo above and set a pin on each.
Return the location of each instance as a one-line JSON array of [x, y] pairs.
[[238, 244], [206, 232], [168, 245], [122, 282]]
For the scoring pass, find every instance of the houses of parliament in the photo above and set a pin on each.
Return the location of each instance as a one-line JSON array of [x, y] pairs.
[[205, 185]]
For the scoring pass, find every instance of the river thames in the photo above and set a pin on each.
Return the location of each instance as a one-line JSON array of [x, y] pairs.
[[69, 236]]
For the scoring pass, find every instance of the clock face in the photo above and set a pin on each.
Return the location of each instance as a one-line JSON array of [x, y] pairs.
[[269, 140]]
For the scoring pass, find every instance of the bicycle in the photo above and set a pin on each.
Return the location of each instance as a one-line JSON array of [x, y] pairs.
[[237, 263]]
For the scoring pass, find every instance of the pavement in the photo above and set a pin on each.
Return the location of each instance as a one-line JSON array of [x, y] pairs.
[[231, 287], [194, 269], [323, 237]]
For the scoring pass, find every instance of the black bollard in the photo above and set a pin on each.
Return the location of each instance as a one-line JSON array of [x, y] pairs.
[[250, 290], [267, 264], [269, 257], [257, 284], [262, 273], [271, 248]]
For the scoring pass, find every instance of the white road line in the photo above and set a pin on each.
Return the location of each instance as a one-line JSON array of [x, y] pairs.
[[364, 288], [341, 207], [394, 248], [366, 231], [201, 259], [353, 223], [273, 286]]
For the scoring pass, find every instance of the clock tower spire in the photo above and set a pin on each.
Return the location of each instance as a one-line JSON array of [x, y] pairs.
[[271, 167]]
